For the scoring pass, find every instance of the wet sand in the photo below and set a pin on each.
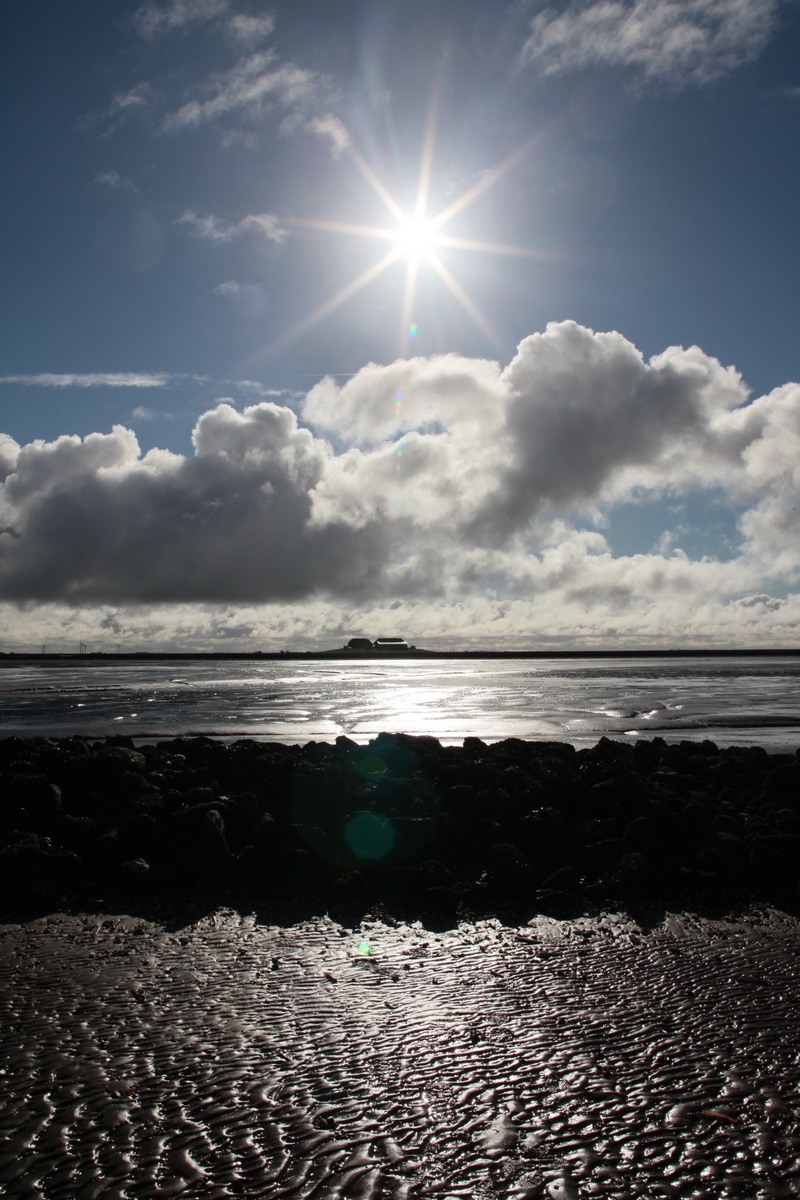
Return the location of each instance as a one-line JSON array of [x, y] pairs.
[[568, 1059]]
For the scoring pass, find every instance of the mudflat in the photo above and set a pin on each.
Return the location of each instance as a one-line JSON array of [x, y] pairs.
[[560, 1058]]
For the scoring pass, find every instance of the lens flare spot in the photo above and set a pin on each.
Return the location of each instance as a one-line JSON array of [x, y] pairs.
[[412, 330], [373, 767], [364, 948], [369, 835]]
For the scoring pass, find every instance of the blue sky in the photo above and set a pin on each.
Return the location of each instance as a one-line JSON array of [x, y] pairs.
[[472, 321]]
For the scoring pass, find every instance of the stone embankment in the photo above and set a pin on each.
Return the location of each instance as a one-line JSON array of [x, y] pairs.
[[403, 824]]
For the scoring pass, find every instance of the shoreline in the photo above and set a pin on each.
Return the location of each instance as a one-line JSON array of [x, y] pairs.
[[13, 658], [401, 825]]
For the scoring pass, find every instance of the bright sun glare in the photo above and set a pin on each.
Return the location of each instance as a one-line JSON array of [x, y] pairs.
[[415, 238]]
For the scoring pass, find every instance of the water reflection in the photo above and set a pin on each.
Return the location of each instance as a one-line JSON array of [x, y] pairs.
[[744, 701]]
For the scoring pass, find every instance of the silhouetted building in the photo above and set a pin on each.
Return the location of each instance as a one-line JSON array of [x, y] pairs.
[[359, 644], [391, 644]]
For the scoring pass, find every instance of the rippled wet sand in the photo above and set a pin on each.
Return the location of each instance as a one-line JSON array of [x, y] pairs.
[[563, 1059]]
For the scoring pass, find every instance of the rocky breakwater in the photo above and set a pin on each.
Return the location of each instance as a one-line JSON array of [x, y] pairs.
[[402, 823]]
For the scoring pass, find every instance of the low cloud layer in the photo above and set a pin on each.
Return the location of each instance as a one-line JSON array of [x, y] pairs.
[[679, 42], [445, 485]]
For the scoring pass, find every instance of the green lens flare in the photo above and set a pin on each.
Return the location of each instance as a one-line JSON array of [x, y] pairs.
[[369, 835], [372, 767]]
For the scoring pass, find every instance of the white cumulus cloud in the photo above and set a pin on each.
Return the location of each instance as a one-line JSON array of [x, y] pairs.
[[445, 485]]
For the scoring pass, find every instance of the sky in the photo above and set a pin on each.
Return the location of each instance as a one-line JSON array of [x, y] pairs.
[[470, 322]]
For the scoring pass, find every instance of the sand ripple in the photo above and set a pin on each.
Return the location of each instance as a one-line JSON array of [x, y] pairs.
[[563, 1060]]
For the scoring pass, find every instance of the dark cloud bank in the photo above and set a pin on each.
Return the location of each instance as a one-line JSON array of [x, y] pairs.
[[444, 468]]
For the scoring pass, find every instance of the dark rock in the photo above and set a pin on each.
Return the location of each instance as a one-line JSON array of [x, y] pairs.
[[33, 868], [40, 799], [133, 876], [320, 796], [141, 835], [723, 823], [491, 833], [74, 833], [412, 838], [200, 848], [697, 883], [433, 874], [635, 875], [488, 823], [106, 853], [117, 759], [120, 739], [563, 880], [643, 834], [351, 890], [473, 746], [459, 799], [554, 903], [784, 783], [293, 872], [452, 777], [508, 871], [604, 857], [732, 851], [787, 820], [775, 863], [264, 837], [131, 786], [536, 834], [457, 842], [504, 807], [439, 901], [398, 753]]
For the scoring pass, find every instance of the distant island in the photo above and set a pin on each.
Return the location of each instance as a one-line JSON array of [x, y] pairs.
[[363, 648]]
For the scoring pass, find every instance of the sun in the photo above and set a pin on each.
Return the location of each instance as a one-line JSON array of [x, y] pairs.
[[414, 237]]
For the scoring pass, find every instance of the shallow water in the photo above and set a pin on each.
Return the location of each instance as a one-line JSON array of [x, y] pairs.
[[562, 1060], [732, 701]]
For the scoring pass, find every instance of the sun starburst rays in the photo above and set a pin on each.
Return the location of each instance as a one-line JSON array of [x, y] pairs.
[[416, 238]]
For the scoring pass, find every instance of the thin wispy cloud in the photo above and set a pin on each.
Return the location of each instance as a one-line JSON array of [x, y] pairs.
[[252, 387], [248, 31], [677, 42], [251, 87], [331, 128], [93, 379], [124, 105], [214, 229], [115, 181], [137, 97], [152, 20]]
